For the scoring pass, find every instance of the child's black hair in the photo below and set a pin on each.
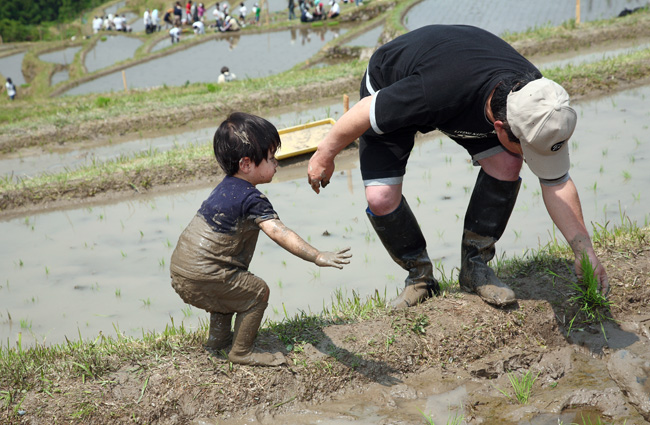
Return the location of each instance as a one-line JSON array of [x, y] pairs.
[[244, 135]]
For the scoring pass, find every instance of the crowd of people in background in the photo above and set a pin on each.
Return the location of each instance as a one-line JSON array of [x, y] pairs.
[[111, 22]]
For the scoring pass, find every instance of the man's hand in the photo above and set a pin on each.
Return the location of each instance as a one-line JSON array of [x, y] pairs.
[[599, 271], [319, 171], [333, 259]]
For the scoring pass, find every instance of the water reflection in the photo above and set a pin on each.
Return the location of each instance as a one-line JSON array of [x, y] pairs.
[[248, 56], [500, 16], [89, 269]]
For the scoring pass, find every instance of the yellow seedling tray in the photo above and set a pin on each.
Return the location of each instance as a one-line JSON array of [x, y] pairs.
[[304, 138]]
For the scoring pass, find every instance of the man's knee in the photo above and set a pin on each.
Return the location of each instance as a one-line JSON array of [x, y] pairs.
[[383, 200], [503, 166]]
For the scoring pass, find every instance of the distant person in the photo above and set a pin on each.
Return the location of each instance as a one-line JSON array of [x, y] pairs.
[[230, 24], [167, 18], [148, 22], [305, 15], [188, 11], [201, 11], [257, 11], [219, 17], [209, 266], [198, 27], [11, 89], [194, 11], [226, 76], [292, 7], [97, 24], [175, 34], [335, 9], [155, 20], [118, 23], [242, 13], [178, 13]]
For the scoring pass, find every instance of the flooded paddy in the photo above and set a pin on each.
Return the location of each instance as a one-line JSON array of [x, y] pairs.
[[500, 16], [63, 57], [109, 50], [90, 270], [12, 67], [247, 55]]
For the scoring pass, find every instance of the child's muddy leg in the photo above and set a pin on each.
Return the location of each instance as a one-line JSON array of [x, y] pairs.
[[246, 326], [220, 333]]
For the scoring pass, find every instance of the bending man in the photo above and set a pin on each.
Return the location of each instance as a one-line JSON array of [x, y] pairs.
[[478, 90]]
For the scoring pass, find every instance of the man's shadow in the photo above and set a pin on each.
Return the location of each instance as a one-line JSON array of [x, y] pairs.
[[313, 343], [551, 279]]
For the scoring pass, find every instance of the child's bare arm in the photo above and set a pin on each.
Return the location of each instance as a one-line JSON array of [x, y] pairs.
[[289, 240]]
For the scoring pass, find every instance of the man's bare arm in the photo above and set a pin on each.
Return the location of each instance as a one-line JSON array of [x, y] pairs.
[[563, 205]]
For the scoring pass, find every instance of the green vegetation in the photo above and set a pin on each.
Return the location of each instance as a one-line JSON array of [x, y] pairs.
[[523, 388]]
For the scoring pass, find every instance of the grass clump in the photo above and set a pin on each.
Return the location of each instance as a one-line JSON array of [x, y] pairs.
[[523, 388]]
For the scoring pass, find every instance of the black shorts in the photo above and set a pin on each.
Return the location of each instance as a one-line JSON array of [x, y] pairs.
[[383, 157]]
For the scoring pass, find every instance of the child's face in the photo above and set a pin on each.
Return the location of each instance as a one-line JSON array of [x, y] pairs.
[[264, 172]]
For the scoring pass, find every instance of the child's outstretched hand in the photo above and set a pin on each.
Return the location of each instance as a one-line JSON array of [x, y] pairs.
[[333, 259]]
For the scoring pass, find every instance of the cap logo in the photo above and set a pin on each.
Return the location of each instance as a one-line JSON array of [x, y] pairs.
[[556, 147]]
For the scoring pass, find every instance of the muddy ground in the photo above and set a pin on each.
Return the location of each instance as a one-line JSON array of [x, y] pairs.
[[447, 342]]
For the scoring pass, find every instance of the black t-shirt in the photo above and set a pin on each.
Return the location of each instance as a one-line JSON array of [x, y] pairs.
[[440, 77]]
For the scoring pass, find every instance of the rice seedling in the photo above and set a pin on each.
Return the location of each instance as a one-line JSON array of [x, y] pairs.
[[47, 271], [626, 175], [187, 311], [123, 254], [601, 170], [118, 292], [145, 302], [279, 283], [161, 262], [604, 152], [592, 304], [25, 324], [637, 197], [523, 388]]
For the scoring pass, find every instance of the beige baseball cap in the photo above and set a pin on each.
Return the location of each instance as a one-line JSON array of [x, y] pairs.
[[541, 118]]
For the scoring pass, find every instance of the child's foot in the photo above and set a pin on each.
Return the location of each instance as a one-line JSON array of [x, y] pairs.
[[258, 359]]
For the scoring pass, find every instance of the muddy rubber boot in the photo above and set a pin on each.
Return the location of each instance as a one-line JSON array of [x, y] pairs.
[[487, 215], [400, 233], [246, 327], [220, 333]]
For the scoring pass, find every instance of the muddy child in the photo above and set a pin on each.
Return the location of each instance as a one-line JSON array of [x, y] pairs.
[[209, 267]]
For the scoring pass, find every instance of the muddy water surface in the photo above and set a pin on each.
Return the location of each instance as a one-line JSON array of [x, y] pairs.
[[12, 67], [63, 57], [248, 56], [110, 50], [94, 269], [501, 16]]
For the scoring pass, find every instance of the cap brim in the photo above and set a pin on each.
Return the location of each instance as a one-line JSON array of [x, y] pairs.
[[549, 166]]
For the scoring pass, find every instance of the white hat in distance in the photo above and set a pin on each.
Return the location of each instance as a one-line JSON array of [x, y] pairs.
[[541, 118]]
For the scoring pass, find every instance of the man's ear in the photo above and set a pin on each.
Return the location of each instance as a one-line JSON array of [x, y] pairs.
[[245, 164]]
